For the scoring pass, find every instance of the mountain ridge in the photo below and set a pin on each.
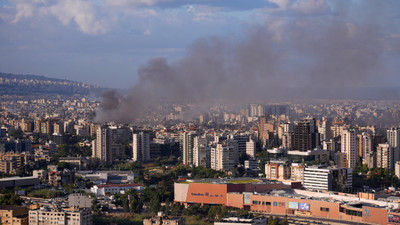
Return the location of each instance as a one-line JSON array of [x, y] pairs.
[[29, 84]]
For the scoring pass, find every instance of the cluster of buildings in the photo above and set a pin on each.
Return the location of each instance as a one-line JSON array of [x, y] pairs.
[[116, 143], [318, 154], [78, 212], [314, 177], [10, 162]]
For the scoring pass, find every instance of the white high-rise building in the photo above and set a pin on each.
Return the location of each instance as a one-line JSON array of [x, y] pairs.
[[324, 129], [384, 156], [201, 152], [327, 179], [251, 148], [349, 147], [253, 110], [393, 137], [260, 110], [287, 135], [141, 146], [397, 168], [224, 156]]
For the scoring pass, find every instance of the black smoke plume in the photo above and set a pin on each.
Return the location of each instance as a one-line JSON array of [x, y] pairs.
[[302, 59]]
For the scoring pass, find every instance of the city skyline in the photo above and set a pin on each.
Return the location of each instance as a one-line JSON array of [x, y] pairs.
[[291, 44]]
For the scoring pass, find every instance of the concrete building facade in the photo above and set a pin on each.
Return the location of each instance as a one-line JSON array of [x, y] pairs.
[[327, 179], [13, 215], [348, 147], [60, 216], [141, 147], [224, 156], [201, 152], [385, 156]]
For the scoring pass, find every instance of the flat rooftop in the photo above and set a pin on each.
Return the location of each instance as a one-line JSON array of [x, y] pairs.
[[229, 181], [17, 178], [348, 201], [11, 207]]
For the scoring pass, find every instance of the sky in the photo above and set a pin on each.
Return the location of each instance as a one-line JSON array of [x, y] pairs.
[[123, 43]]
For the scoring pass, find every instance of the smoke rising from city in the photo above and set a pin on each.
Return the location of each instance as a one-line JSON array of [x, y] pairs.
[[299, 59]]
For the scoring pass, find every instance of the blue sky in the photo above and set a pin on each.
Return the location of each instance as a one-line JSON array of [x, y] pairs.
[[106, 42]]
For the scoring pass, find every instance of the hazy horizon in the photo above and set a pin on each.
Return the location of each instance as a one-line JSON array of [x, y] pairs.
[[204, 51], [106, 43]]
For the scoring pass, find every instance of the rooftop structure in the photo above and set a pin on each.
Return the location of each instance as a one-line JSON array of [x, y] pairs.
[[11, 182], [114, 188], [243, 221]]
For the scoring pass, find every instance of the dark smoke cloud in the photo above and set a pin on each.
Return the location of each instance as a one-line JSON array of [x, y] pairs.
[[311, 59]]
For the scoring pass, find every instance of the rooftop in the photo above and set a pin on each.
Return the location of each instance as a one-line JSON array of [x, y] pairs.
[[348, 201], [229, 181], [11, 207], [118, 185], [17, 178]]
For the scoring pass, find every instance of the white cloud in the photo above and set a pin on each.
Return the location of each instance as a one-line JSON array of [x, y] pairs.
[[300, 6], [26, 8], [82, 12], [395, 35], [282, 4], [147, 32], [202, 12], [309, 6], [131, 2]]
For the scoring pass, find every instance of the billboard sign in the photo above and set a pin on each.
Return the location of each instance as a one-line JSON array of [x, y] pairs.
[[246, 197], [393, 218], [293, 205], [305, 206]]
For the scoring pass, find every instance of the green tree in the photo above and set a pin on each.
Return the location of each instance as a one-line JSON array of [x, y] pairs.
[[148, 194], [86, 151], [164, 189], [285, 221], [224, 212], [241, 212], [62, 165], [213, 212], [95, 206], [135, 203], [154, 205], [10, 199], [272, 221], [176, 209], [16, 133], [217, 212], [167, 207], [386, 173], [365, 169]]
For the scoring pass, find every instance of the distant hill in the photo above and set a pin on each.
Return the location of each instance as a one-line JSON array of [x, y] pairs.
[[28, 85]]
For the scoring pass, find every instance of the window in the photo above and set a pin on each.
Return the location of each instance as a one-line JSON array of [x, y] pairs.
[[323, 209], [354, 213], [268, 203]]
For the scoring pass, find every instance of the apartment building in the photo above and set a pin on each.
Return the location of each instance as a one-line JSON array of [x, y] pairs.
[[60, 216], [13, 215]]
